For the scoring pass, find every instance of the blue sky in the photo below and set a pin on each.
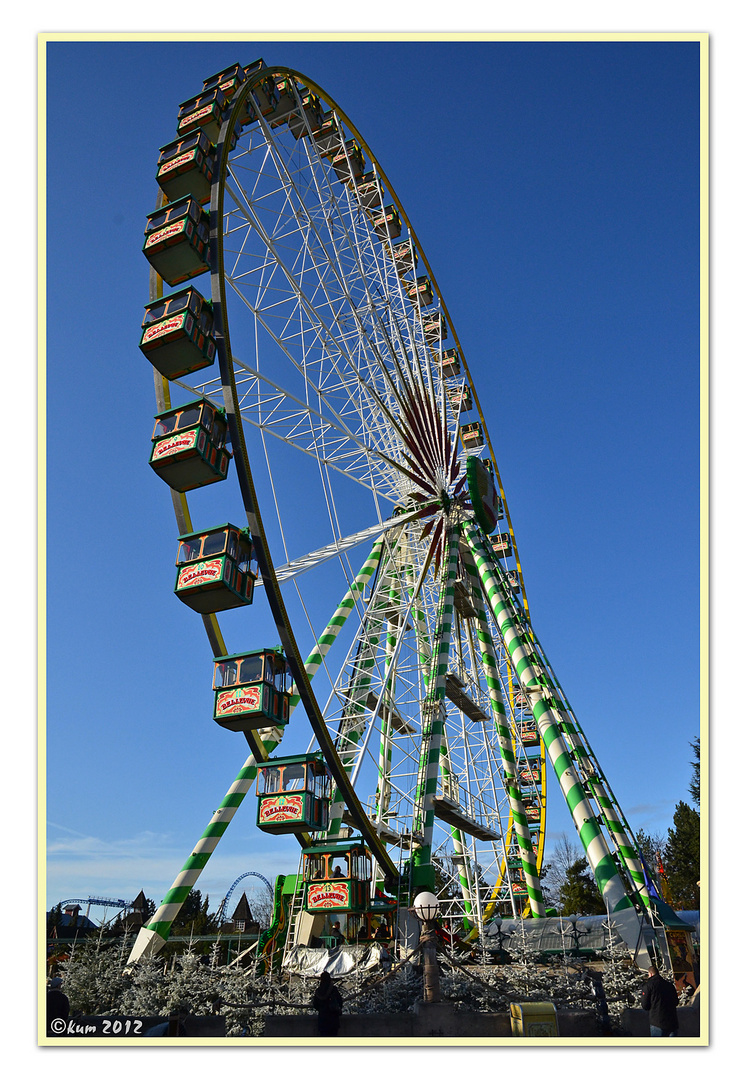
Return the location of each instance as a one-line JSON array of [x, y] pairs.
[[554, 188]]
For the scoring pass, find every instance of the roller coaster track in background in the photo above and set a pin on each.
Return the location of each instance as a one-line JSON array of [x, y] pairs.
[[224, 902], [100, 901]]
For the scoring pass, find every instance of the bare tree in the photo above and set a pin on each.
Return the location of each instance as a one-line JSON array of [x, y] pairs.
[[555, 873]]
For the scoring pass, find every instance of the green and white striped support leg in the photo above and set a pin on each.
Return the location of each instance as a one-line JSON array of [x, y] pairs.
[[618, 827], [609, 882], [153, 937], [433, 719], [353, 722], [587, 766], [598, 787], [421, 630], [621, 838], [340, 617], [516, 802], [457, 836], [383, 796], [424, 657], [606, 801], [383, 793]]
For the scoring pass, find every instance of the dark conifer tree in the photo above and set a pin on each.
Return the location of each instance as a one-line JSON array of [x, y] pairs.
[[695, 782], [579, 895], [682, 857]]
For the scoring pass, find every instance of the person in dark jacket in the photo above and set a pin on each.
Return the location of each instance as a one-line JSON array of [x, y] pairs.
[[328, 1003], [58, 1007], [660, 1002]]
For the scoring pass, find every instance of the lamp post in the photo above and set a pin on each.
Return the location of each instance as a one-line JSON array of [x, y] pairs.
[[425, 907]]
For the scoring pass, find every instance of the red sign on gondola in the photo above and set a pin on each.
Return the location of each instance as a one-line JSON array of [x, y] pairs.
[[237, 701], [200, 574], [164, 327], [195, 116], [165, 233], [182, 159], [175, 444], [282, 808], [328, 895]]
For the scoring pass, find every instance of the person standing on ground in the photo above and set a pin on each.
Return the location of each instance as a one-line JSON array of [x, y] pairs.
[[58, 1007], [328, 1003], [660, 1002]]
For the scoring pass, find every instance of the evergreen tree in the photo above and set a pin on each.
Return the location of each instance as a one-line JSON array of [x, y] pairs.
[[695, 782], [146, 994], [578, 895], [192, 986], [149, 910], [682, 857], [193, 918], [54, 919], [92, 976]]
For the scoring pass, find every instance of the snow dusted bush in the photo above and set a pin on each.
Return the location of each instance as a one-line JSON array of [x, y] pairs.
[[93, 979], [96, 984]]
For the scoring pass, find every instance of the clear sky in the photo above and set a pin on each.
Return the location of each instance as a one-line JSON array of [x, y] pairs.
[[555, 190]]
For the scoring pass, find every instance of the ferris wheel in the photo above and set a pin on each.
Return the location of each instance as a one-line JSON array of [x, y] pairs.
[[324, 375]]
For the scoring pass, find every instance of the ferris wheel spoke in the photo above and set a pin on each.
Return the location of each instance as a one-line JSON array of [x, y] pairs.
[[297, 412], [336, 548], [349, 303], [383, 705], [366, 690], [325, 279], [294, 411]]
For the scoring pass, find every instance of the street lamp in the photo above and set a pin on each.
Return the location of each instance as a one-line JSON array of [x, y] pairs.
[[425, 907]]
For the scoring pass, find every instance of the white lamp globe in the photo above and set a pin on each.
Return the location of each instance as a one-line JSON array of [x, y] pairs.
[[425, 906]]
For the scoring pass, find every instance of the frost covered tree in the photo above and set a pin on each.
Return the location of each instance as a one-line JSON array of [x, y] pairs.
[[521, 974], [240, 999], [93, 976], [146, 993], [192, 985], [623, 979]]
